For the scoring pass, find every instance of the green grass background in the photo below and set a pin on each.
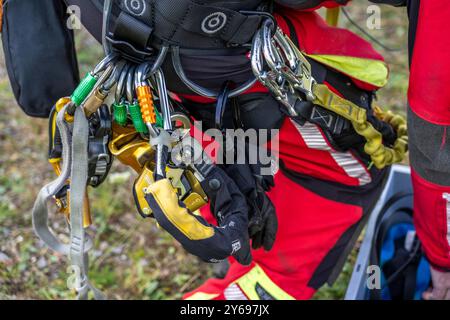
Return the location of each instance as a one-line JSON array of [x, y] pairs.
[[132, 258]]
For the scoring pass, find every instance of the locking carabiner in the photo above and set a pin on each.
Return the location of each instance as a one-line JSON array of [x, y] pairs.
[[119, 106], [133, 105]]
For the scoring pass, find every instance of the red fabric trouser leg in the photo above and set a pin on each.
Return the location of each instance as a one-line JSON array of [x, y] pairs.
[[310, 238], [430, 162], [432, 219]]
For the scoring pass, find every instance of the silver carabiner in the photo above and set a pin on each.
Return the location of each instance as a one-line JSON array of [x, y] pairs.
[[129, 89], [164, 100], [113, 78], [285, 46], [256, 56], [104, 64], [303, 72], [271, 57], [141, 74], [120, 89]]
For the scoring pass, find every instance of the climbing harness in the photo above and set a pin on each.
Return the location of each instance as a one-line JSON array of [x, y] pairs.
[[144, 128], [141, 132], [284, 70]]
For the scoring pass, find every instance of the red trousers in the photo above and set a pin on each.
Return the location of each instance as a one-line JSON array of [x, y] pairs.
[[322, 198]]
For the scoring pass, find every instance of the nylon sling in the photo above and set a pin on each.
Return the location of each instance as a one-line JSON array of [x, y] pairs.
[[75, 167]]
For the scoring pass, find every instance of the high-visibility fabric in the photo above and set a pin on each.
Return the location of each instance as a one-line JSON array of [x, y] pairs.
[[308, 231], [249, 283], [373, 72], [317, 38], [429, 100], [310, 225], [429, 94], [305, 150]]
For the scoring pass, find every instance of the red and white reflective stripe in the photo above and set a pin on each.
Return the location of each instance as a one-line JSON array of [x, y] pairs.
[[446, 196], [233, 292], [314, 139]]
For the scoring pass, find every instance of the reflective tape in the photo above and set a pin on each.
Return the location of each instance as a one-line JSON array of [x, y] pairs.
[[446, 196], [233, 292], [314, 139]]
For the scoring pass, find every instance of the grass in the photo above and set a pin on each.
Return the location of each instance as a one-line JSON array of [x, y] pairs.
[[133, 259]]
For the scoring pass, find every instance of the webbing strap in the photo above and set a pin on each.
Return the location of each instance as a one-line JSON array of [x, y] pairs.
[[74, 167], [186, 24], [207, 21], [40, 209], [329, 100], [380, 155], [79, 177]]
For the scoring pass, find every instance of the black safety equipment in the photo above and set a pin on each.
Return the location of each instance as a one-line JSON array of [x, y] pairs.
[[263, 222], [99, 156], [210, 243], [136, 25]]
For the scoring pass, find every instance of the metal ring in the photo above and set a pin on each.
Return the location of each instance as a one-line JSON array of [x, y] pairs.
[[185, 121], [269, 54]]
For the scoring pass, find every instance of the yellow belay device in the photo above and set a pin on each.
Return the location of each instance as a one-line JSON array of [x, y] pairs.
[[143, 124]]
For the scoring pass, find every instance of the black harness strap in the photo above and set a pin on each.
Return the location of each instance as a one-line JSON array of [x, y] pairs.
[[133, 30], [189, 24], [186, 24]]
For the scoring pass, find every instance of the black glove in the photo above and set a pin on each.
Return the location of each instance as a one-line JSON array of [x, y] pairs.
[[210, 243], [263, 223]]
